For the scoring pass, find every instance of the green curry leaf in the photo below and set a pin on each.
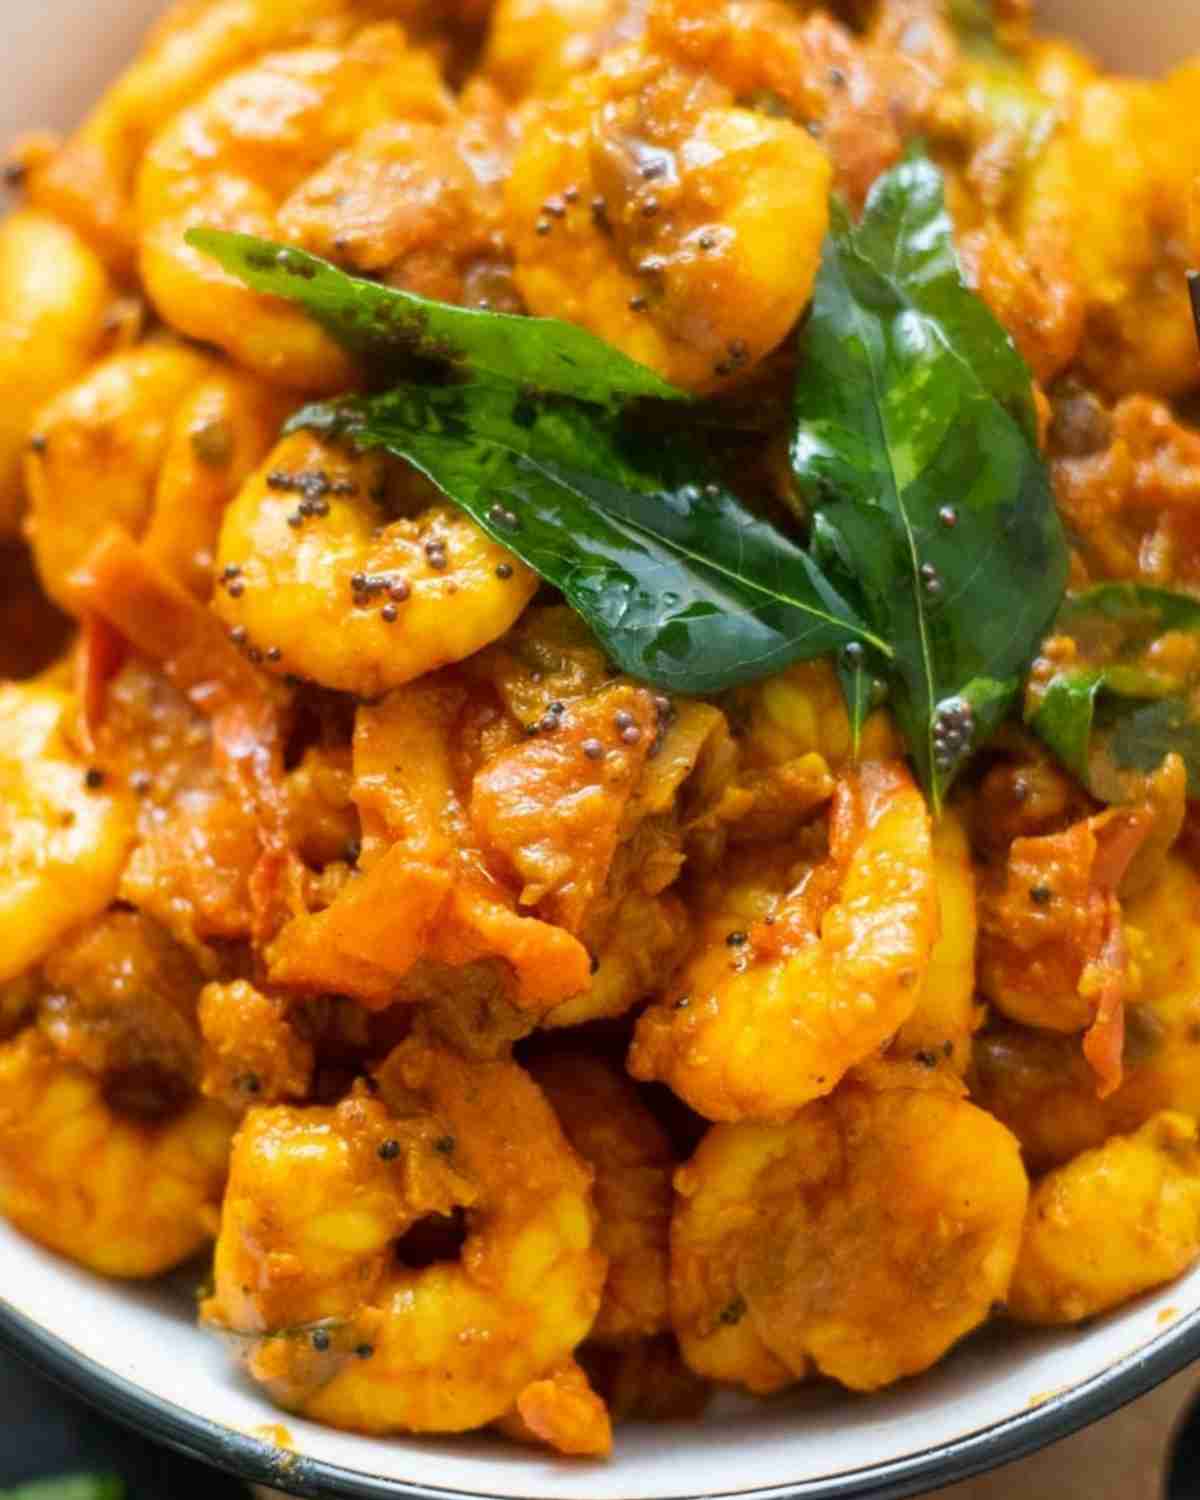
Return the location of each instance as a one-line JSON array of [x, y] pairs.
[[681, 583], [1113, 709], [389, 327], [73, 1487], [914, 447]]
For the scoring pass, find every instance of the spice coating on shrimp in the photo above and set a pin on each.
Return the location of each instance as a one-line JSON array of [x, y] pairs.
[[333, 589], [63, 841], [606, 1121], [863, 1239], [232, 159], [54, 302], [762, 1021], [124, 1195], [444, 1348]]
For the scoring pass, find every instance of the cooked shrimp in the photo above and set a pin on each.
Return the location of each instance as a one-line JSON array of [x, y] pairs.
[[90, 181], [63, 840], [862, 1240], [606, 1121], [796, 739], [535, 46], [1040, 1085], [54, 299], [233, 158], [330, 587], [123, 1190], [764, 1019], [1125, 247], [1112, 1223], [156, 440], [941, 1028], [317, 1199], [683, 227]]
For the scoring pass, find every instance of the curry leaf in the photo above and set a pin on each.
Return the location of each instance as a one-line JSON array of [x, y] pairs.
[[1115, 707], [682, 585], [914, 446], [1143, 738], [73, 1487], [389, 327]]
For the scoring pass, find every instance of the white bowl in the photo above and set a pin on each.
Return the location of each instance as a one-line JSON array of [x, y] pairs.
[[138, 1353]]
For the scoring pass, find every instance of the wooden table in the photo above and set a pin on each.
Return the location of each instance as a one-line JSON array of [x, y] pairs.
[[1122, 1458]]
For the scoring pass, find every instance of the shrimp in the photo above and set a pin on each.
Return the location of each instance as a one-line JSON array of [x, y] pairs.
[[796, 740], [606, 1121], [766, 1018], [231, 160], [54, 301], [124, 1189], [536, 46], [1111, 1224], [861, 1241], [329, 587], [941, 1028], [64, 837], [1124, 248], [650, 206], [156, 440], [336, 1325], [90, 180], [1040, 1084]]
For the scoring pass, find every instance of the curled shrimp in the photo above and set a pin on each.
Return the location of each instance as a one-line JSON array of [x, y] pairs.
[[1113, 1223], [54, 300], [861, 1240], [329, 588], [770, 1015], [646, 190], [607, 1122], [336, 1324], [63, 839], [89, 181], [125, 1191], [231, 160], [156, 440]]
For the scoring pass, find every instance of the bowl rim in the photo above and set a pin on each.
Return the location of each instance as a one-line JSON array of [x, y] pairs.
[[260, 1462]]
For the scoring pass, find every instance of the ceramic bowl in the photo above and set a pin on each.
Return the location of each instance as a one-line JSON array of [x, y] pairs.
[[137, 1352]]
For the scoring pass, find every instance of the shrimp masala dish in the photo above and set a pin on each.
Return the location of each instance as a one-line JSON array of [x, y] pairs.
[[600, 736]]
